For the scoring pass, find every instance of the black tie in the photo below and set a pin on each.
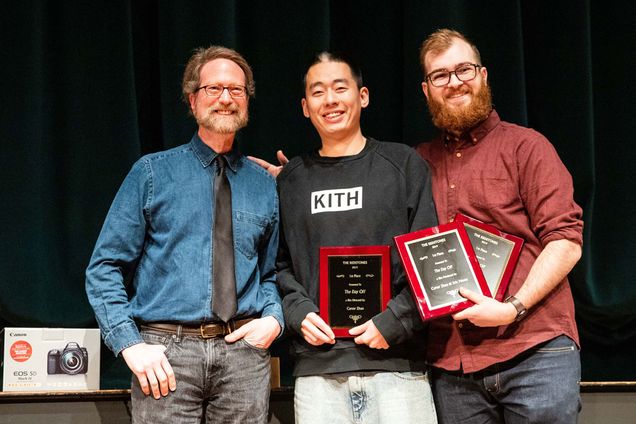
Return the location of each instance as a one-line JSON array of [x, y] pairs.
[[224, 294]]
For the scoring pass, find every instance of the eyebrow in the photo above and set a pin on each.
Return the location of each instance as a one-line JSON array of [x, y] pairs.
[[232, 84], [336, 81], [446, 69]]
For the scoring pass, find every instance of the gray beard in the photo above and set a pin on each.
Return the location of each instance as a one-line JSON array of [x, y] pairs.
[[223, 124]]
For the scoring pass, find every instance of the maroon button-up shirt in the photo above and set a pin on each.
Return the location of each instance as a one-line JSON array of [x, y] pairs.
[[510, 177]]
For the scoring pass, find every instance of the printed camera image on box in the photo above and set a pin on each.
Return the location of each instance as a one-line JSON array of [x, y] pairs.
[[51, 359]]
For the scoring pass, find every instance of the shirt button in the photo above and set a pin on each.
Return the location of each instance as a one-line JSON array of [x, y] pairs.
[[460, 325], [458, 154], [452, 185]]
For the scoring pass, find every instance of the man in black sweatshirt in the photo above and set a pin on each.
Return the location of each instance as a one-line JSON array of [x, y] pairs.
[[352, 191]]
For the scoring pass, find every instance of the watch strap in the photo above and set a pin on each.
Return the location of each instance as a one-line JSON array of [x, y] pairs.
[[521, 309]]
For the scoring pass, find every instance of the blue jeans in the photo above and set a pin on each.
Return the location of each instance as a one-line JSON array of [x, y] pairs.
[[226, 383], [364, 397], [539, 386]]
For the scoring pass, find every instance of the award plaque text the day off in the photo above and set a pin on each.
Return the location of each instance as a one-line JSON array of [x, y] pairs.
[[355, 285], [438, 261], [497, 253]]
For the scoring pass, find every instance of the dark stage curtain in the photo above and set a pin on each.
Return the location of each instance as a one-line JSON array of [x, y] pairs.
[[90, 86]]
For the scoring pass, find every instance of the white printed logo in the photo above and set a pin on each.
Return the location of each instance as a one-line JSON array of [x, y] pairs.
[[342, 199]]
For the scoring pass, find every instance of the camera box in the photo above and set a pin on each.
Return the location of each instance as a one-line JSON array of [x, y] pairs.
[[51, 359]]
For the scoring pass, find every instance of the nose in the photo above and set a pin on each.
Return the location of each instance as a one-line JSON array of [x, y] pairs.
[[225, 96], [454, 80], [331, 97]]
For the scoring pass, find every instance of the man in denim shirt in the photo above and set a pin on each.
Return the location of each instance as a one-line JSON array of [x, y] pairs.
[[158, 236]]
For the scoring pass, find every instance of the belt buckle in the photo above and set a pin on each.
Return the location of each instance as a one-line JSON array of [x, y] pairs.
[[205, 335], [222, 329]]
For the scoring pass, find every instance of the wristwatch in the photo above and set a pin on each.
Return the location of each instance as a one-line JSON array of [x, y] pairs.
[[521, 310]]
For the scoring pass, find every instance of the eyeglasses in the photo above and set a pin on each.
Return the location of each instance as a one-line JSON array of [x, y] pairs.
[[464, 72], [216, 90]]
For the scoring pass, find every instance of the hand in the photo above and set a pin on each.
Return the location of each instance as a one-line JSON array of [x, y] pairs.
[[316, 331], [150, 365], [282, 159], [269, 167], [486, 311], [369, 335], [259, 332]]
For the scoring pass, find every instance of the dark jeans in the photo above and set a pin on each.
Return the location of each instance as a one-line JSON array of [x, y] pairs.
[[217, 382], [540, 386]]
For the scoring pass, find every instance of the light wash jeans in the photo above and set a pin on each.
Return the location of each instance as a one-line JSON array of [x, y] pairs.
[[226, 383], [364, 397], [540, 386]]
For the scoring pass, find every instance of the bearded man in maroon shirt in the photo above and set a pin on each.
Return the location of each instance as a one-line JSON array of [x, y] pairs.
[[515, 361]]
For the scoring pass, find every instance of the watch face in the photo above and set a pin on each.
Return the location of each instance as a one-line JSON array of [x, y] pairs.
[[521, 314]]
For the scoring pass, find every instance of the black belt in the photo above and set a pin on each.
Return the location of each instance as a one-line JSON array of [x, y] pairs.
[[205, 330]]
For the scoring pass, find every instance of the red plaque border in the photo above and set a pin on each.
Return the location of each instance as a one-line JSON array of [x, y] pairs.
[[427, 312], [512, 259], [385, 290]]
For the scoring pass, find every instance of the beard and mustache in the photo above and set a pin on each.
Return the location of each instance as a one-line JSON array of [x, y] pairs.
[[223, 124], [458, 120]]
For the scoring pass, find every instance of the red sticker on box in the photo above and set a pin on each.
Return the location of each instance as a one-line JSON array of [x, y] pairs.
[[21, 351]]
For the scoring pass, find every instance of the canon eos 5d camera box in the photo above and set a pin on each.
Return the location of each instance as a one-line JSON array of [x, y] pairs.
[[51, 359]]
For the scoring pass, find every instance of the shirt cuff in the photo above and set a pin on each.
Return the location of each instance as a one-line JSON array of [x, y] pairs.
[[276, 312], [123, 336]]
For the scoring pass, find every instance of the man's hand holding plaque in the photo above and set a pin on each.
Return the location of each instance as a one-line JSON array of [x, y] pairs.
[[316, 331], [355, 285], [368, 334], [445, 261]]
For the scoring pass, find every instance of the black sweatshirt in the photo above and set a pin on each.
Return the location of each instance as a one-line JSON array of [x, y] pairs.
[[383, 191]]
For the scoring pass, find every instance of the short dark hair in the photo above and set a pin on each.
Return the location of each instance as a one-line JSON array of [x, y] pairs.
[[326, 56]]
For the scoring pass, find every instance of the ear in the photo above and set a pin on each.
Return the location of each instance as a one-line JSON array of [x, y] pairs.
[[192, 98], [425, 88], [303, 103], [484, 73], [364, 97]]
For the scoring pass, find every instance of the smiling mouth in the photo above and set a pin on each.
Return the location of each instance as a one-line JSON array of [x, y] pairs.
[[332, 115], [224, 112], [458, 97]]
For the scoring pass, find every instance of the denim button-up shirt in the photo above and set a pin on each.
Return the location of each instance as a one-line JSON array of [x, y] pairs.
[[158, 237]]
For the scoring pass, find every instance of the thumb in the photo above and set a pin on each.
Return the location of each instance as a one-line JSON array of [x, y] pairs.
[[469, 294], [356, 331], [236, 335]]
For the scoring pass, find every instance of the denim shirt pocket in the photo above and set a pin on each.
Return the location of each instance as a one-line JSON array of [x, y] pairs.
[[249, 230]]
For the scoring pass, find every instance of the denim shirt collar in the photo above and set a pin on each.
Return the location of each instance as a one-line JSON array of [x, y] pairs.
[[207, 155]]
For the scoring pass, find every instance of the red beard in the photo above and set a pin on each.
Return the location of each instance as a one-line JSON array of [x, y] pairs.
[[460, 120]]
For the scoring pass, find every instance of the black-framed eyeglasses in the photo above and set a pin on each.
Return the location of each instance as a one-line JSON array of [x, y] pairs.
[[464, 72], [216, 90]]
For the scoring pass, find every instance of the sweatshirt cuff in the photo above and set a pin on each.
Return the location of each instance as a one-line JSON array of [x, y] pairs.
[[390, 327], [298, 314]]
